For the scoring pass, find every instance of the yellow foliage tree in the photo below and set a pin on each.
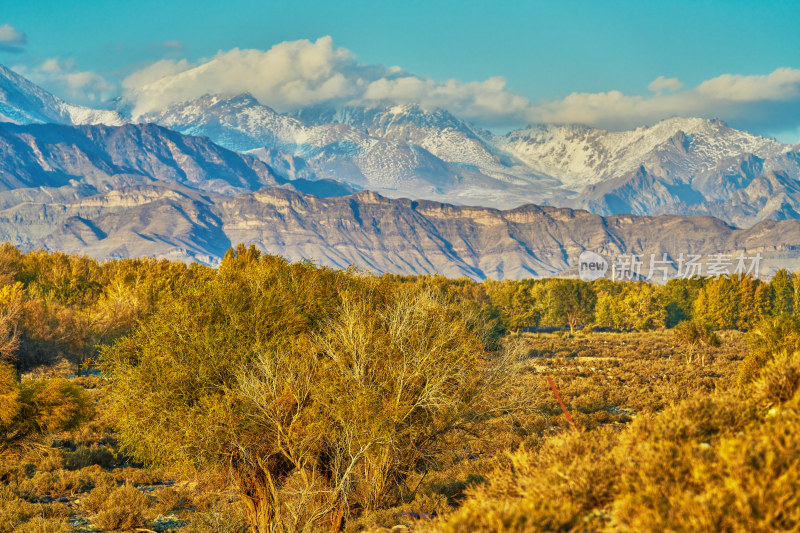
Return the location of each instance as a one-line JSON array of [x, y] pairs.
[[34, 407]]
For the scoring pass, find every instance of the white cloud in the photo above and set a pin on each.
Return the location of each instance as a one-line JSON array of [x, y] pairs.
[[488, 101], [11, 39], [295, 74], [661, 84], [62, 78], [290, 74], [782, 84], [765, 104], [152, 73]]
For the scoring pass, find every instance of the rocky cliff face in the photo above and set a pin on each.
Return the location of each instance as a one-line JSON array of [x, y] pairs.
[[376, 233]]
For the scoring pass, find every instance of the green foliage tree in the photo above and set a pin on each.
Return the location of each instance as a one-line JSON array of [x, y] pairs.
[[569, 302], [317, 390], [515, 302], [644, 306], [679, 296], [782, 293], [796, 293], [630, 305], [609, 312]]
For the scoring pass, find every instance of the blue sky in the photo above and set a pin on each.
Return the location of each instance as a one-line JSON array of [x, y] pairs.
[[608, 53]]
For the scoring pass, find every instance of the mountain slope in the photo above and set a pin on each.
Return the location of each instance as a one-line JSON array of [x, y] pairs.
[[100, 158], [23, 102], [376, 233], [50, 174], [669, 167]]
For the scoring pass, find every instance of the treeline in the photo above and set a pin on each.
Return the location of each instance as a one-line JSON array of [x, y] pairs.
[[56, 307], [730, 302], [59, 307]]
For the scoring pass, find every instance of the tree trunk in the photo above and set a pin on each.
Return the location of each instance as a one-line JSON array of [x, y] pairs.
[[572, 320], [257, 492], [259, 513]]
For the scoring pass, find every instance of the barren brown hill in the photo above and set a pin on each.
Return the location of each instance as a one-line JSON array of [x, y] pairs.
[[380, 234]]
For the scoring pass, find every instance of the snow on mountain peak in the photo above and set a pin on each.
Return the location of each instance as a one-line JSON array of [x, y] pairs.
[[579, 155], [24, 102], [408, 150]]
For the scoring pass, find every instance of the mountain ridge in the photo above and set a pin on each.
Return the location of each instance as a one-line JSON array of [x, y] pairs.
[[403, 150], [145, 189], [381, 234], [23, 102], [679, 165]]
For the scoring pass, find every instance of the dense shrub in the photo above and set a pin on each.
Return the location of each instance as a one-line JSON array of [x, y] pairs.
[[122, 508], [772, 336], [694, 335], [34, 407], [320, 391], [725, 462]]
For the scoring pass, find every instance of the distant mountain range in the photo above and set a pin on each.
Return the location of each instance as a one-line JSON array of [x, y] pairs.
[[189, 181], [678, 166]]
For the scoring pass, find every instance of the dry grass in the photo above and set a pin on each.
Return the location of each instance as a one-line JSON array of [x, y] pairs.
[[79, 475], [702, 456], [646, 407]]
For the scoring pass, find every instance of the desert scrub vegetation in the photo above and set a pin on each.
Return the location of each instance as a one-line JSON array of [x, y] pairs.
[[30, 408], [269, 396], [67, 473], [320, 392], [720, 462], [772, 336]]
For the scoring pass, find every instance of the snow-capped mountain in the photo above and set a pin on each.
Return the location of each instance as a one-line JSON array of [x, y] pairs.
[[23, 102], [396, 150], [704, 168], [579, 156], [679, 165]]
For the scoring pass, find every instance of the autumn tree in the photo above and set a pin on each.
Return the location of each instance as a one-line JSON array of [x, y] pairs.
[[630, 305], [754, 301], [569, 302], [782, 292], [318, 391], [717, 304], [33, 407]]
